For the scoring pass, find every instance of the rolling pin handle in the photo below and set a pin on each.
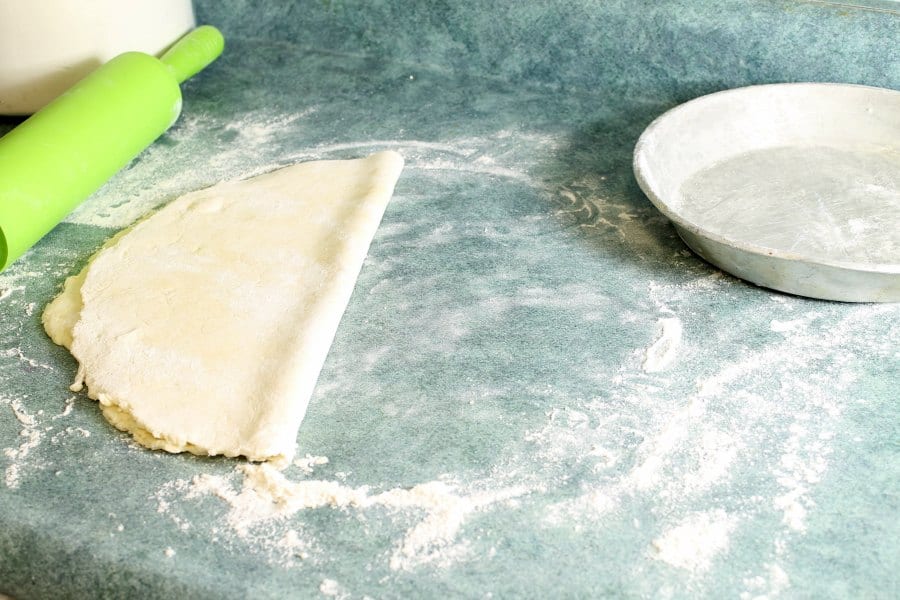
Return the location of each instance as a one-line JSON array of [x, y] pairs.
[[193, 52]]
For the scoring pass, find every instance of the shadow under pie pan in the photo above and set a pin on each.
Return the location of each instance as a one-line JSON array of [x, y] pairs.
[[794, 187]]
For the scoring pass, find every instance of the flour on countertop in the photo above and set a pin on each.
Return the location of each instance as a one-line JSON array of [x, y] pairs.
[[253, 148], [331, 588], [70, 406], [696, 541], [686, 450], [308, 463], [267, 498], [31, 435], [18, 353], [664, 350], [34, 428], [770, 584]]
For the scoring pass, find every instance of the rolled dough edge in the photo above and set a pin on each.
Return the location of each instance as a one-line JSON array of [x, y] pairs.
[[59, 319]]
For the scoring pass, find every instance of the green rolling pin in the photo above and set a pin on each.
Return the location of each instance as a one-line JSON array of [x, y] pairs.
[[65, 152]]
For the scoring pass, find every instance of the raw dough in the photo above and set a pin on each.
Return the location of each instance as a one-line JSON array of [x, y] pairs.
[[204, 328]]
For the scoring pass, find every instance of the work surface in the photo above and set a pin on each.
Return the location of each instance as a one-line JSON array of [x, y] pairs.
[[576, 404]]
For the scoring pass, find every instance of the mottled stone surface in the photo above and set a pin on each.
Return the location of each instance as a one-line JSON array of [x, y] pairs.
[[526, 324], [670, 48]]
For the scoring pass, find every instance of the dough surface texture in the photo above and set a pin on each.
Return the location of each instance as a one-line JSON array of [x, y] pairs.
[[204, 327]]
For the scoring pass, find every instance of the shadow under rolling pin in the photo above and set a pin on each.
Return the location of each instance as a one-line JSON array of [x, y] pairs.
[[66, 151]]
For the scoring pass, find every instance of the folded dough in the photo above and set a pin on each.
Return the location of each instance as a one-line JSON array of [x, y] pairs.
[[205, 326]]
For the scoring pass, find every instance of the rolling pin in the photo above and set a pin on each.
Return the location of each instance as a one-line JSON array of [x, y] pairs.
[[66, 151]]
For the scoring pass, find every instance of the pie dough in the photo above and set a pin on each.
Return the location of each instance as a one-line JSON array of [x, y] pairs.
[[204, 327]]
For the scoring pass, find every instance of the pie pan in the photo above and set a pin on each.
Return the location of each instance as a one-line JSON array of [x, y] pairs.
[[794, 187]]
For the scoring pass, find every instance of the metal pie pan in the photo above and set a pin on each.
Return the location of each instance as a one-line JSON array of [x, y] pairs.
[[794, 187]]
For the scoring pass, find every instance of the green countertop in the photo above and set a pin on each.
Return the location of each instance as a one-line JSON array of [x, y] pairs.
[[601, 412]]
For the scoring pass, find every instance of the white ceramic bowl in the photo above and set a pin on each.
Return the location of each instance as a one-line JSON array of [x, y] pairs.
[[48, 45]]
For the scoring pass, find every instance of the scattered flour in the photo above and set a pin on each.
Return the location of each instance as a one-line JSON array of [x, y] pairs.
[[267, 498], [17, 352], [664, 350], [255, 147], [70, 405], [430, 541], [308, 463], [773, 407], [34, 427], [769, 585], [69, 431], [31, 437], [714, 453], [330, 587], [696, 541]]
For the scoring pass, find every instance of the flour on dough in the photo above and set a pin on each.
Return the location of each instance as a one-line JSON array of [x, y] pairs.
[[204, 328]]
